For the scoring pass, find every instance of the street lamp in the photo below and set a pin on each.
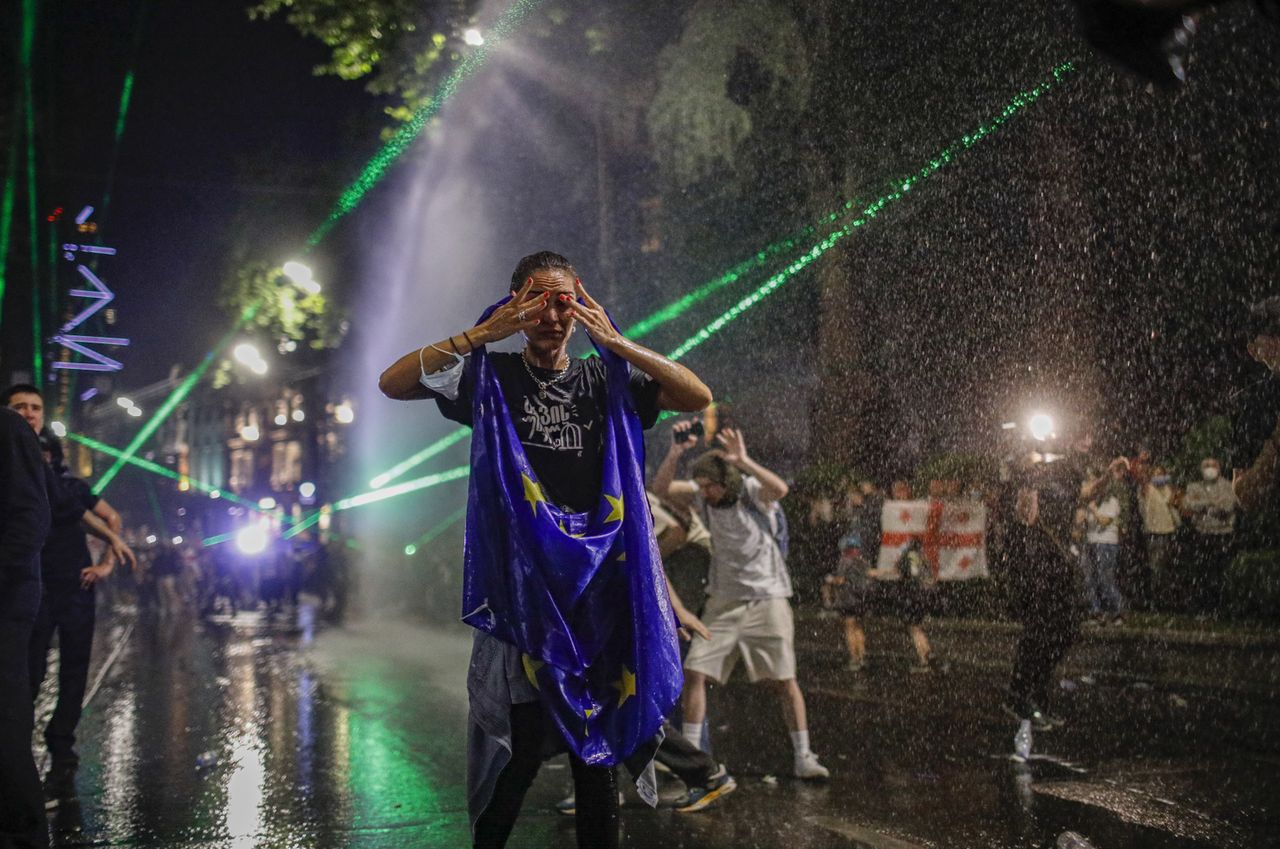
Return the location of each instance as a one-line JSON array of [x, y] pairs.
[[248, 355], [1041, 426], [252, 539], [300, 275]]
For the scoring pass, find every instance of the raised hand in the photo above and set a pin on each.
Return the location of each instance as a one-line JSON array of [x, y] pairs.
[[681, 443], [592, 316], [520, 313], [733, 445]]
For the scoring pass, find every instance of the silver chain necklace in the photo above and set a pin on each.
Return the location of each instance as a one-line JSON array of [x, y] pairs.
[[543, 384]]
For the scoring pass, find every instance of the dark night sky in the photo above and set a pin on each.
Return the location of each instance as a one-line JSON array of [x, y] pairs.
[[214, 93]]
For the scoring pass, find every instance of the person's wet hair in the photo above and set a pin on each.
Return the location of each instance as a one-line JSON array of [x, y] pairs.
[[541, 261]]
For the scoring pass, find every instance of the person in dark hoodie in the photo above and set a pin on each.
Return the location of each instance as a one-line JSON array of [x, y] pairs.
[[24, 523]]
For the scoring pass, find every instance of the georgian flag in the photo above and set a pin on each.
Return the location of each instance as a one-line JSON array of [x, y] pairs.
[[952, 535]]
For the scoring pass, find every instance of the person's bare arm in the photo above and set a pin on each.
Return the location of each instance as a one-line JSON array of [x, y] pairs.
[[664, 483], [108, 514], [681, 390], [772, 487], [117, 547], [1253, 486], [401, 379], [689, 622]]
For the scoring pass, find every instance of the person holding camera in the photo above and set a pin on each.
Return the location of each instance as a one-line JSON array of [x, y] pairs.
[[748, 611]]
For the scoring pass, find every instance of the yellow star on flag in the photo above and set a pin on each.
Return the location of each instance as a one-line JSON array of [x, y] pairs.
[[615, 508], [626, 687], [531, 668], [532, 492]]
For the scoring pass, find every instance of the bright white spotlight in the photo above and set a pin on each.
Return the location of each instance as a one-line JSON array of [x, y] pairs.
[[246, 354], [259, 367], [151, 539], [281, 420], [299, 415], [177, 540], [298, 272], [344, 414], [135, 411], [307, 489], [215, 494], [1041, 426], [252, 540], [58, 428], [249, 433], [267, 503], [124, 402], [473, 37]]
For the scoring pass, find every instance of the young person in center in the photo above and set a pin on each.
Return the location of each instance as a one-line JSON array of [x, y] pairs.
[[561, 431]]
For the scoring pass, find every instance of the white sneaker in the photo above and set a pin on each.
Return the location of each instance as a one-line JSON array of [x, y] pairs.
[[807, 767]]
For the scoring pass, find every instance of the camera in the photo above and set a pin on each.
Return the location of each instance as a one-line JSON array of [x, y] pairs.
[[695, 430]]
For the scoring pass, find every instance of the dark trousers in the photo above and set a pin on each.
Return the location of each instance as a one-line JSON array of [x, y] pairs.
[[1045, 600], [594, 786], [71, 614], [690, 764], [22, 818], [1211, 558]]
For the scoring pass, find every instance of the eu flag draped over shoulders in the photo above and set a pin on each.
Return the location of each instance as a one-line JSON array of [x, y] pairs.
[[581, 595]]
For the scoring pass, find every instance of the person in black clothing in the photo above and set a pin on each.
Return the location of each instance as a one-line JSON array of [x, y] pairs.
[[1256, 437], [24, 523], [68, 575], [1041, 502], [557, 406]]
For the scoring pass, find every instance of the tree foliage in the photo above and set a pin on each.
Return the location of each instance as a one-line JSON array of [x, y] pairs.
[[701, 112], [396, 45]]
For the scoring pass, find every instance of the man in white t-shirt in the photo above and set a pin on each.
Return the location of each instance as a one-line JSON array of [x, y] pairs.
[[748, 610]]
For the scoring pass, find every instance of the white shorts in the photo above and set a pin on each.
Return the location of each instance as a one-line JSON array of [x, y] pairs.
[[762, 632]]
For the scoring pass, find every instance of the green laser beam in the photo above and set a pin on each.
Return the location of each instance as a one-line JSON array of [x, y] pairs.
[[430, 534], [1020, 102], [6, 214], [374, 496], [176, 397], [163, 471], [377, 167], [37, 322], [414, 485], [448, 440], [682, 305], [219, 539], [306, 523]]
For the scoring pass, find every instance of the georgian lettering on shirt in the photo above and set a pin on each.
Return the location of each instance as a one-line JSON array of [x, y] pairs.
[[551, 425]]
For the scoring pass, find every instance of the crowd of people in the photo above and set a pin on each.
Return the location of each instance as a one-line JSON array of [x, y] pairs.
[[555, 480]]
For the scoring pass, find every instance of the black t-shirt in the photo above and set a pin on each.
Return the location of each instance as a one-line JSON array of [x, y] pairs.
[[66, 551], [1258, 408], [563, 431]]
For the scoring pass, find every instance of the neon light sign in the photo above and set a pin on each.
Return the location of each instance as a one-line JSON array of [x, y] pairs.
[[99, 296]]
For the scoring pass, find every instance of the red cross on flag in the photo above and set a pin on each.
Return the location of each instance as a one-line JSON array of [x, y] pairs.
[[952, 535]]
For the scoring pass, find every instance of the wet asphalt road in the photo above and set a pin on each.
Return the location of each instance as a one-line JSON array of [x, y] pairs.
[[251, 733]]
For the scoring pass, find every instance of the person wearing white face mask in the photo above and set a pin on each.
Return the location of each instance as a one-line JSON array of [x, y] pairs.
[[1211, 506]]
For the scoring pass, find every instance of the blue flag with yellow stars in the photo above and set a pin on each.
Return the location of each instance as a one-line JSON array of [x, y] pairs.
[[581, 595]]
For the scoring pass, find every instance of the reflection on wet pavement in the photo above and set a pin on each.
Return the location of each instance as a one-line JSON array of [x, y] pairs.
[[254, 733]]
